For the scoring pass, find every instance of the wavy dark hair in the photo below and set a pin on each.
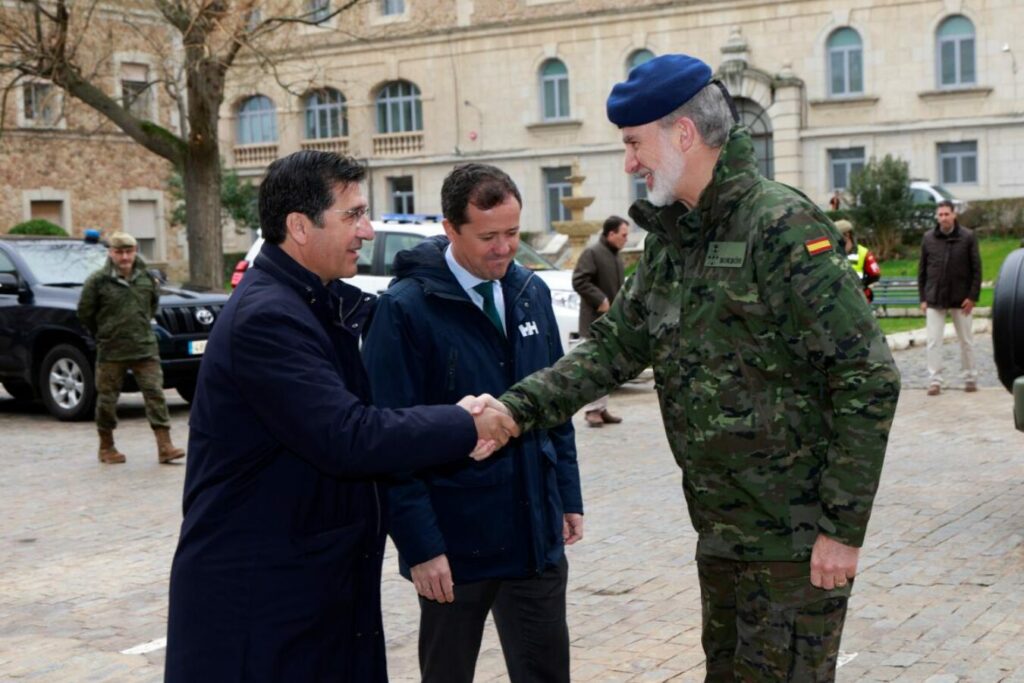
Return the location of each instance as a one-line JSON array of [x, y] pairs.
[[303, 182]]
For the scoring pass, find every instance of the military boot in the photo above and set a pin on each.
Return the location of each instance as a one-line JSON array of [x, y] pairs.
[[108, 453], [166, 450]]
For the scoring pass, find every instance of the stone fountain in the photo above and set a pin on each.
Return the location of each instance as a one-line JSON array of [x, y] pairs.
[[576, 228]]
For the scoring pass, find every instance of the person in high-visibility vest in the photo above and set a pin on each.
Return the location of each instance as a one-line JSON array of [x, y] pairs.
[[863, 261]]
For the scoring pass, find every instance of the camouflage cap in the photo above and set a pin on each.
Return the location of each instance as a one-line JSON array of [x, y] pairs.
[[121, 240], [844, 226]]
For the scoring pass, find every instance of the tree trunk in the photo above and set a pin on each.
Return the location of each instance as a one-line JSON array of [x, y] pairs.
[[205, 84], [202, 212]]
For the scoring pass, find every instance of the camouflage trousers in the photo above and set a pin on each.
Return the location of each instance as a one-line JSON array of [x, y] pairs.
[[764, 621], [149, 377]]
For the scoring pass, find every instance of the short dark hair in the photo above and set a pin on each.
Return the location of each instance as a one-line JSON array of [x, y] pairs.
[[303, 182], [946, 203], [611, 224], [482, 185]]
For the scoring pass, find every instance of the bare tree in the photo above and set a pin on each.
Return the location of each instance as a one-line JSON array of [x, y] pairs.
[[70, 44]]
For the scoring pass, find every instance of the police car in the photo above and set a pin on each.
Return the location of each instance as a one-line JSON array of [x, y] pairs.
[[398, 232]]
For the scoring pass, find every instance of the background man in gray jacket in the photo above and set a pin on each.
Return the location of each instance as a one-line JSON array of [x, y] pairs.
[[598, 276], [949, 281]]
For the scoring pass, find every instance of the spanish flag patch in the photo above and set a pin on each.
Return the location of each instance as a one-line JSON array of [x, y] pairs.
[[818, 245]]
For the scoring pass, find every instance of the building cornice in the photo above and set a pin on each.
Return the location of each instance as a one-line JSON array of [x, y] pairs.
[[952, 93], [857, 101], [900, 127], [564, 23], [501, 155]]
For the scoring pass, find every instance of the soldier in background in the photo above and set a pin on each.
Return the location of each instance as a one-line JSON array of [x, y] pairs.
[[860, 257], [117, 303], [777, 388]]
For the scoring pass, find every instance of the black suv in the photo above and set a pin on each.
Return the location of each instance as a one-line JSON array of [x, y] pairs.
[[44, 350]]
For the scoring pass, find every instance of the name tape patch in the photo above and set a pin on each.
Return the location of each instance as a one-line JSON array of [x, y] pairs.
[[726, 255]]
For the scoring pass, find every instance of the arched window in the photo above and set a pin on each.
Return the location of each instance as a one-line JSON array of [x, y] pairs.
[[954, 46], [326, 115], [398, 108], [554, 90], [756, 119], [257, 121], [845, 63], [638, 58]]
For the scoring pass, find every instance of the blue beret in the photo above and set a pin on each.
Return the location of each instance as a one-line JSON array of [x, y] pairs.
[[657, 87]]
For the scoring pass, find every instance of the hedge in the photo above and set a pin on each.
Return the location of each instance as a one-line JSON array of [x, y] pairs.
[[38, 226]]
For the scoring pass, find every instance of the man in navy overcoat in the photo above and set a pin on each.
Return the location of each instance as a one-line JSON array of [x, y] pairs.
[[277, 572]]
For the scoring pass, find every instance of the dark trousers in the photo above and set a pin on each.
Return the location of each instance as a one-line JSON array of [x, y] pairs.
[[529, 615], [764, 621]]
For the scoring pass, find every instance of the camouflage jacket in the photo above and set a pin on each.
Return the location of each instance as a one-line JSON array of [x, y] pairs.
[[776, 386], [117, 312]]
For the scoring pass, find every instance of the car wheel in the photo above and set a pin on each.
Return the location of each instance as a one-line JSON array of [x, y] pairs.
[[21, 391], [66, 383], [186, 389], [1008, 319]]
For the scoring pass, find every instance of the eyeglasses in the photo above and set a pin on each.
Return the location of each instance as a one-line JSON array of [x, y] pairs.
[[355, 214]]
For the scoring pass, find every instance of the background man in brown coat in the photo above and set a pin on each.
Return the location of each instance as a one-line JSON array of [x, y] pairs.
[[949, 281], [597, 278]]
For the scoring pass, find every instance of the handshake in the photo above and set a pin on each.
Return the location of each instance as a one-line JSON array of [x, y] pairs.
[[494, 424]]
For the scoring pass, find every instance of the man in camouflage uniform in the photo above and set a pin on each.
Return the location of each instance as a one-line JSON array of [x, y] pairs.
[[117, 303], [777, 388]]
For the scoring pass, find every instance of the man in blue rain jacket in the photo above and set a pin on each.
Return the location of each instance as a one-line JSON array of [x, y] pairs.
[[463, 318]]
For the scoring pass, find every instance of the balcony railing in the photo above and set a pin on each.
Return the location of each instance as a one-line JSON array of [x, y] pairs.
[[336, 145], [255, 155], [397, 144]]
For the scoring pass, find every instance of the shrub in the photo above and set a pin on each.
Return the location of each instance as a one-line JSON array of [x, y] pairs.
[[882, 208], [38, 226]]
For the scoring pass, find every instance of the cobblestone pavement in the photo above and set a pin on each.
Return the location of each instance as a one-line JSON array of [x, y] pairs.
[[85, 551], [914, 366]]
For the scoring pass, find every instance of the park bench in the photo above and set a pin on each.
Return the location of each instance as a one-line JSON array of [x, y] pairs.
[[896, 292]]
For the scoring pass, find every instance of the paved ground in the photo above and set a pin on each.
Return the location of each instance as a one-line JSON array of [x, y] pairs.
[[85, 551]]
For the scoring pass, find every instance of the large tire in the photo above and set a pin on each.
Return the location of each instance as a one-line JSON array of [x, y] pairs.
[[19, 390], [66, 384], [1008, 319], [186, 389]]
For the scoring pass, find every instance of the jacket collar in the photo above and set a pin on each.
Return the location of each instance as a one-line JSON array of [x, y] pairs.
[[426, 263], [734, 174], [138, 268], [602, 240], [339, 302], [952, 234]]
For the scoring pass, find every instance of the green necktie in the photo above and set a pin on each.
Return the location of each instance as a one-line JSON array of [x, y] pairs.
[[486, 290]]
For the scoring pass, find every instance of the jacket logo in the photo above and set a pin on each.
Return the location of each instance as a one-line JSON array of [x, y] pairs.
[[528, 329]]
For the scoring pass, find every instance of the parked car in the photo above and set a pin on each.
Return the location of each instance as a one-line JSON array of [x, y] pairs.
[[46, 353], [924, 192], [397, 232]]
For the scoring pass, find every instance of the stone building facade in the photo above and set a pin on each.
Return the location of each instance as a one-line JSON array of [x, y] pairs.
[[62, 161], [414, 87]]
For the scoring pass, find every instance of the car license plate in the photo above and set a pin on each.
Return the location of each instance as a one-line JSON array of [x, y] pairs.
[[196, 348]]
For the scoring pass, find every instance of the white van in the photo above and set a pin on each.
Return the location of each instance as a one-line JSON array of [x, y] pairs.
[[924, 192]]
